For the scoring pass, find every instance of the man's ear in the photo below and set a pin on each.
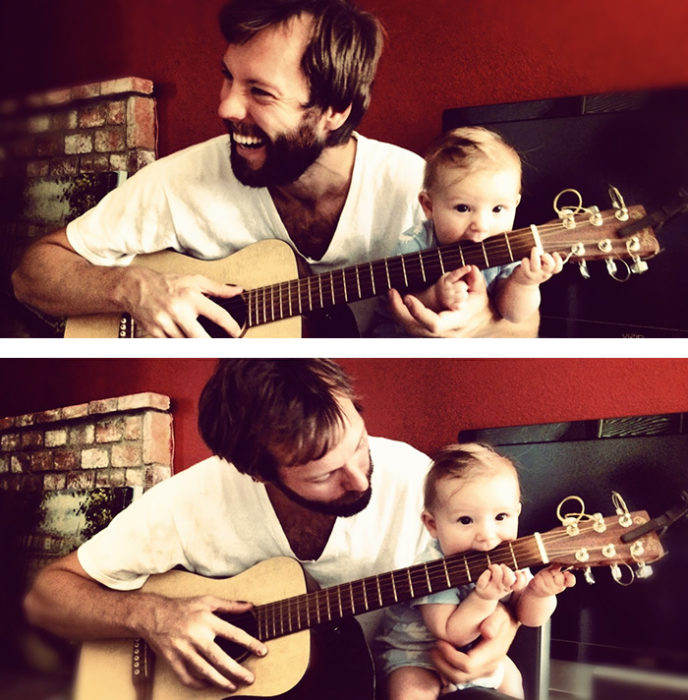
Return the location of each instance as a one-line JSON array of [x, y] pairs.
[[334, 119], [426, 202], [429, 521]]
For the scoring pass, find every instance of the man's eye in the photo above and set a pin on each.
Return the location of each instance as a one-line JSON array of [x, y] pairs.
[[261, 94]]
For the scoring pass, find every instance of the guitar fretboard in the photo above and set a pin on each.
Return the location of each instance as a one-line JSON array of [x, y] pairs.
[[330, 604], [366, 280]]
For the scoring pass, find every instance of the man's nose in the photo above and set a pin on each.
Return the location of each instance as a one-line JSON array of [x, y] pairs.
[[354, 478], [233, 103]]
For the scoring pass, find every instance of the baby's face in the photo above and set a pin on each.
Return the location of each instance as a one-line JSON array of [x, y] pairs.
[[473, 206], [476, 513]]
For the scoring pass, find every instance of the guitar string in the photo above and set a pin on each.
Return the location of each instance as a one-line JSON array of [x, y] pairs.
[[334, 284], [386, 585]]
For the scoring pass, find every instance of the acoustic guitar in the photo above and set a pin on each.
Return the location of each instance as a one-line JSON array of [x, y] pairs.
[[291, 617], [275, 297]]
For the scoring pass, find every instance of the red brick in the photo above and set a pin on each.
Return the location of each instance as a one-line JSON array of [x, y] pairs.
[[82, 92], [80, 480], [139, 158], [82, 434], [32, 438], [110, 140], [67, 460], [122, 85], [10, 442], [49, 416], [141, 123], [108, 430], [93, 163], [54, 482], [38, 168], [157, 438], [146, 399], [126, 455], [78, 143], [63, 121], [94, 458], [115, 112], [133, 427], [42, 461], [90, 116], [6, 423], [76, 411], [102, 406]]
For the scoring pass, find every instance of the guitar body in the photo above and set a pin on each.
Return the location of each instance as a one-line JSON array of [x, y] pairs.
[[263, 263], [332, 661]]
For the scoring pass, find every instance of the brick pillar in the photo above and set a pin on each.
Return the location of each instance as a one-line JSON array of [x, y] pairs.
[[68, 470]]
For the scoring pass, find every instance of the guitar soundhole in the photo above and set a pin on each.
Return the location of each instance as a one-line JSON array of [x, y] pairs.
[[236, 306], [246, 622]]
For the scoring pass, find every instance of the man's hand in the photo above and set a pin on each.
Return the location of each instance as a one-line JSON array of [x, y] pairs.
[[184, 632], [168, 305], [497, 632], [474, 313]]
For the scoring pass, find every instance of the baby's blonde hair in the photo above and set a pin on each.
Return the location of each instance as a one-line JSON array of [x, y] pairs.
[[463, 462], [467, 149]]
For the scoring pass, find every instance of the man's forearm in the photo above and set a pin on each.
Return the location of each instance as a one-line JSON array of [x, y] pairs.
[[56, 280], [76, 607], [494, 326]]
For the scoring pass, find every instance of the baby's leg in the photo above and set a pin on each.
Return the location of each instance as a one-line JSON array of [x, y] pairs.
[[413, 683], [512, 683]]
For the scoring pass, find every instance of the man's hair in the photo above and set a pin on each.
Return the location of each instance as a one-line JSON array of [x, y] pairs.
[[462, 462], [260, 414], [340, 59], [468, 149]]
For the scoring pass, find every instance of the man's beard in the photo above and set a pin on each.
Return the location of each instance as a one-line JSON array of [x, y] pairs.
[[344, 507], [286, 158]]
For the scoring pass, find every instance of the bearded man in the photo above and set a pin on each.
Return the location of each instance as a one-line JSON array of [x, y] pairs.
[[296, 81]]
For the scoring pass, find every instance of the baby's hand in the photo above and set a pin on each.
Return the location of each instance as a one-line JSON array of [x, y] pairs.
[[495, 582], [551, 581], [451, 290], [537, 268]]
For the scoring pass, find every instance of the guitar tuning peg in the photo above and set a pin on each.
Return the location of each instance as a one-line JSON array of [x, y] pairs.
[[611, 266], [616, 572], [639, 266], [583, 269], [587, 574], [643, 570]]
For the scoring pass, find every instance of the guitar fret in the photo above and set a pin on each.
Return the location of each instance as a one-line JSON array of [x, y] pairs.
[[310, 299], [513, 556], [358, 283], [487, 262], [463, 261], [322, 303], [365, 596], [372, 278], [508, 245], [394, 588], [446, 573], [351, 596], [427, 577], [389, 283], [379, 592], [439, 257], [403, 268], [408, 573], [346, 294], [468, 571], [339, 602], [422, 266]]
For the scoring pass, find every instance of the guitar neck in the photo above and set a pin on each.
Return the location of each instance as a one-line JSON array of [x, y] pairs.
[[374, 592], [366, 280]]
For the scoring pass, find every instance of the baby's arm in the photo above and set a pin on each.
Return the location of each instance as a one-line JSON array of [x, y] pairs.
[[460, 624], [518, 297], [536, 602]]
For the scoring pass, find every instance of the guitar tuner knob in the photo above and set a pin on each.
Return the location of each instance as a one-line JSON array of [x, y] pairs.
[[583, 269], [639, 266], [643, 571], [587, 574]]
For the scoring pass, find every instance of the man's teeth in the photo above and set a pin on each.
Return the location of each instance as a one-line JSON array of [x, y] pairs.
[[248, 141]]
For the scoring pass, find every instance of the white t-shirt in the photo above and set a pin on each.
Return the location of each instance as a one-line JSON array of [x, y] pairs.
[[191, 202], [214, 521]]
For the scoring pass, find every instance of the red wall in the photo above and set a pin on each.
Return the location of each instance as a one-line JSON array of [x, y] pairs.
[[422, 401], [440, 54]]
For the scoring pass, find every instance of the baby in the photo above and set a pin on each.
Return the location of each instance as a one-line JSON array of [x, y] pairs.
[[471, 189], [472, 503]]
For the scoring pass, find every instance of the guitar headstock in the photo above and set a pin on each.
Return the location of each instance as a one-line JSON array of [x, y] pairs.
[[586, 233], [603, 542]]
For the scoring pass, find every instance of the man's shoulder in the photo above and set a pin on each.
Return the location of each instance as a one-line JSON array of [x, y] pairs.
[[388, 452], [372, 148]]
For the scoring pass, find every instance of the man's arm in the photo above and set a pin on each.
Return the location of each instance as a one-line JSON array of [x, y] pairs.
[[65, 600], [55, 279]]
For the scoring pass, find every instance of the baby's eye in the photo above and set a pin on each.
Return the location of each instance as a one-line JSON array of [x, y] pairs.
[[498, 209], [462, 208], [502, 516], [465, 520]]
